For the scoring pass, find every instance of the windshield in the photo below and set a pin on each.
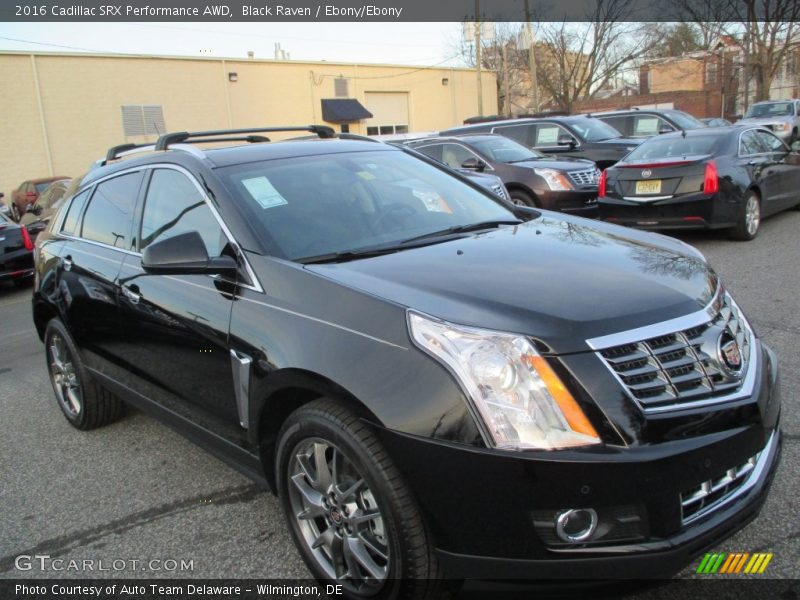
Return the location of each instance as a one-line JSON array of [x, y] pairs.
[[771, 109], [674, 147], [593, 130], [505, 150], [310, 206], [685, 120]]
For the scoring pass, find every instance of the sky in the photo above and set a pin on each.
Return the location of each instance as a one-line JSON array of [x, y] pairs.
[[423, 44]]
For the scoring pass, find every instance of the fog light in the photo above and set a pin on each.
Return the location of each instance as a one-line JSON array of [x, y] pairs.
[[576, 524]]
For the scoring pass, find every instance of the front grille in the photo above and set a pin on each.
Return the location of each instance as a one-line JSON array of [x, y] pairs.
[[585, 178], [711, 494], [669, 371], [500, 190]]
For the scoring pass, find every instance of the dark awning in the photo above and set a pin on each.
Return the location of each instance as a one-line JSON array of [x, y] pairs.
[[343, 110]]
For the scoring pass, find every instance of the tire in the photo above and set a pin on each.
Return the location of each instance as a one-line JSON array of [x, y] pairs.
[[749, 221], [397, 561], [85, 404], [23, 282], [522, 198]]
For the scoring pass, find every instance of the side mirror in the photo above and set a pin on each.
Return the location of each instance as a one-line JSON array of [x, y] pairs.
[[473, 164], [665, 129], [566, 140], [185, 254]]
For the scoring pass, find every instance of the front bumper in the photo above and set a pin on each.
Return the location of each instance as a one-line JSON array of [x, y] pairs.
[[484, 506], [582, 203]]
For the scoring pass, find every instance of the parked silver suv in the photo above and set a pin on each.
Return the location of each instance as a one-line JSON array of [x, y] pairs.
[[781, 116]]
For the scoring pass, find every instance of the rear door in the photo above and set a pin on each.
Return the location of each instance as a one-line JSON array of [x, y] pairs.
[[762, 165], [98, 228], [176, 327], [785, 164]]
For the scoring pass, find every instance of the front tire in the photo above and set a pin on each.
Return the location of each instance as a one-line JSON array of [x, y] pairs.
[[749, 221], [349, 511], [522, 198], [85, 404]]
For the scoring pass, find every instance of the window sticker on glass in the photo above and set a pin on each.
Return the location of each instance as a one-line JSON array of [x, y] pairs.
[[546, 135], [366, 175], [264, 192]]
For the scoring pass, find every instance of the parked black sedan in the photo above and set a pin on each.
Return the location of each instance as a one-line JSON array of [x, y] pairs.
[[531, 178], [16, 252], [714, 178]]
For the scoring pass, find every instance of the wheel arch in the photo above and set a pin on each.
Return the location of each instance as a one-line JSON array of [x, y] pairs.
[[288, 390], [521, 187]]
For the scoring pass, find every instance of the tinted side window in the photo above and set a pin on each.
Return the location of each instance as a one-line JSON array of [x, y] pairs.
[[649, 125], [750, 144], [432, 150], [74, 212], [109, 216], [519, 133], [772, 143], [173, 206], [620, 123], [453, 155]]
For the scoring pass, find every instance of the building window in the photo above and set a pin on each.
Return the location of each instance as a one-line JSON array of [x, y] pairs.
[[143, 119], [386, 129], [711, 72], [340, 87]]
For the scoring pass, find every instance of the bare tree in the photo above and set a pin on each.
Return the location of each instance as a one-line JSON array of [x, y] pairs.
[[766, 30], [576, 60]]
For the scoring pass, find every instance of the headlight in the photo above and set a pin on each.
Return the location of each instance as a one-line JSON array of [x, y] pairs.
[[783, 126], [556, 180], [519, 398]]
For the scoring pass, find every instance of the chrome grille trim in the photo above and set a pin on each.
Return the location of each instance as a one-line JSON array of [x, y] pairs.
[[713, 494], [584, 178], [675, 365], [500, 190]]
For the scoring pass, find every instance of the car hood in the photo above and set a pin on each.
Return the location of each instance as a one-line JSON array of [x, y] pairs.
[[561, 164], [558, 279]]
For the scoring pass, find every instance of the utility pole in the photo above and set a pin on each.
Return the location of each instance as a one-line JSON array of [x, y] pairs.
[[532, 60], [478, 54], [506, 86]]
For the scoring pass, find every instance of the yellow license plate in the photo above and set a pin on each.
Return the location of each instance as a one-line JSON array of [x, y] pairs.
[[648, 187]]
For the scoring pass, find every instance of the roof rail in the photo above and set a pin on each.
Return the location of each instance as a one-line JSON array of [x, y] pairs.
[[197, 137], [356, 136], [116, 151]]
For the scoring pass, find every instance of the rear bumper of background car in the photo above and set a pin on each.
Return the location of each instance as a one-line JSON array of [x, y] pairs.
[[16, 265], [689, 211]]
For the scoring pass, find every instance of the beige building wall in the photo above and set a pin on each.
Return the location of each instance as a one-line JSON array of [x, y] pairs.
[[676, 75], [63, 111]]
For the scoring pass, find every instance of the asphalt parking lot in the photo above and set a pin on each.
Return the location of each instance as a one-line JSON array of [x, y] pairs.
[[137, 490]]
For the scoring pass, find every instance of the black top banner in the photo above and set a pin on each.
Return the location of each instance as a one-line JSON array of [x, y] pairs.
[[397, 10]]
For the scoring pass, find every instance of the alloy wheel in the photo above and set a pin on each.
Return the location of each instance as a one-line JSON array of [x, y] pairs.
[[338, 516], [64, 376], [752, 216]]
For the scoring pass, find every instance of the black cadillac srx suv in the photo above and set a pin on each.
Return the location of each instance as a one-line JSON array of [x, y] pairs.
[[342, 321]]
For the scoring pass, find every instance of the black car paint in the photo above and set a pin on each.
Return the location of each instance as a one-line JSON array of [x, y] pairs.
[[604, 153], [521, 176], [775, 177], [16, 261], [340, 330]]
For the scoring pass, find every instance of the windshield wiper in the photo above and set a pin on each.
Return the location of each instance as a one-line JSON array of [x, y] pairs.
[[456, 229], [519, 160]]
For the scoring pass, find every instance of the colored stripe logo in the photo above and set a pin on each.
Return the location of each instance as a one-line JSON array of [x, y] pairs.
[[734, 563]]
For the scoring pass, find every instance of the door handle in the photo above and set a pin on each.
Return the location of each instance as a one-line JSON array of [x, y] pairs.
[[67, 262], [131, 294]]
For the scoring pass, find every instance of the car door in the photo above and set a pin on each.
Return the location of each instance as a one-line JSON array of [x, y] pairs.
[[761, 164], [176, 326], [98, 230], [785, 164]]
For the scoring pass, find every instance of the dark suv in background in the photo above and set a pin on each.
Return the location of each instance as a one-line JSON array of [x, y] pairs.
[[576, 136], [531, 178], [435, 382], [643, 123]]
